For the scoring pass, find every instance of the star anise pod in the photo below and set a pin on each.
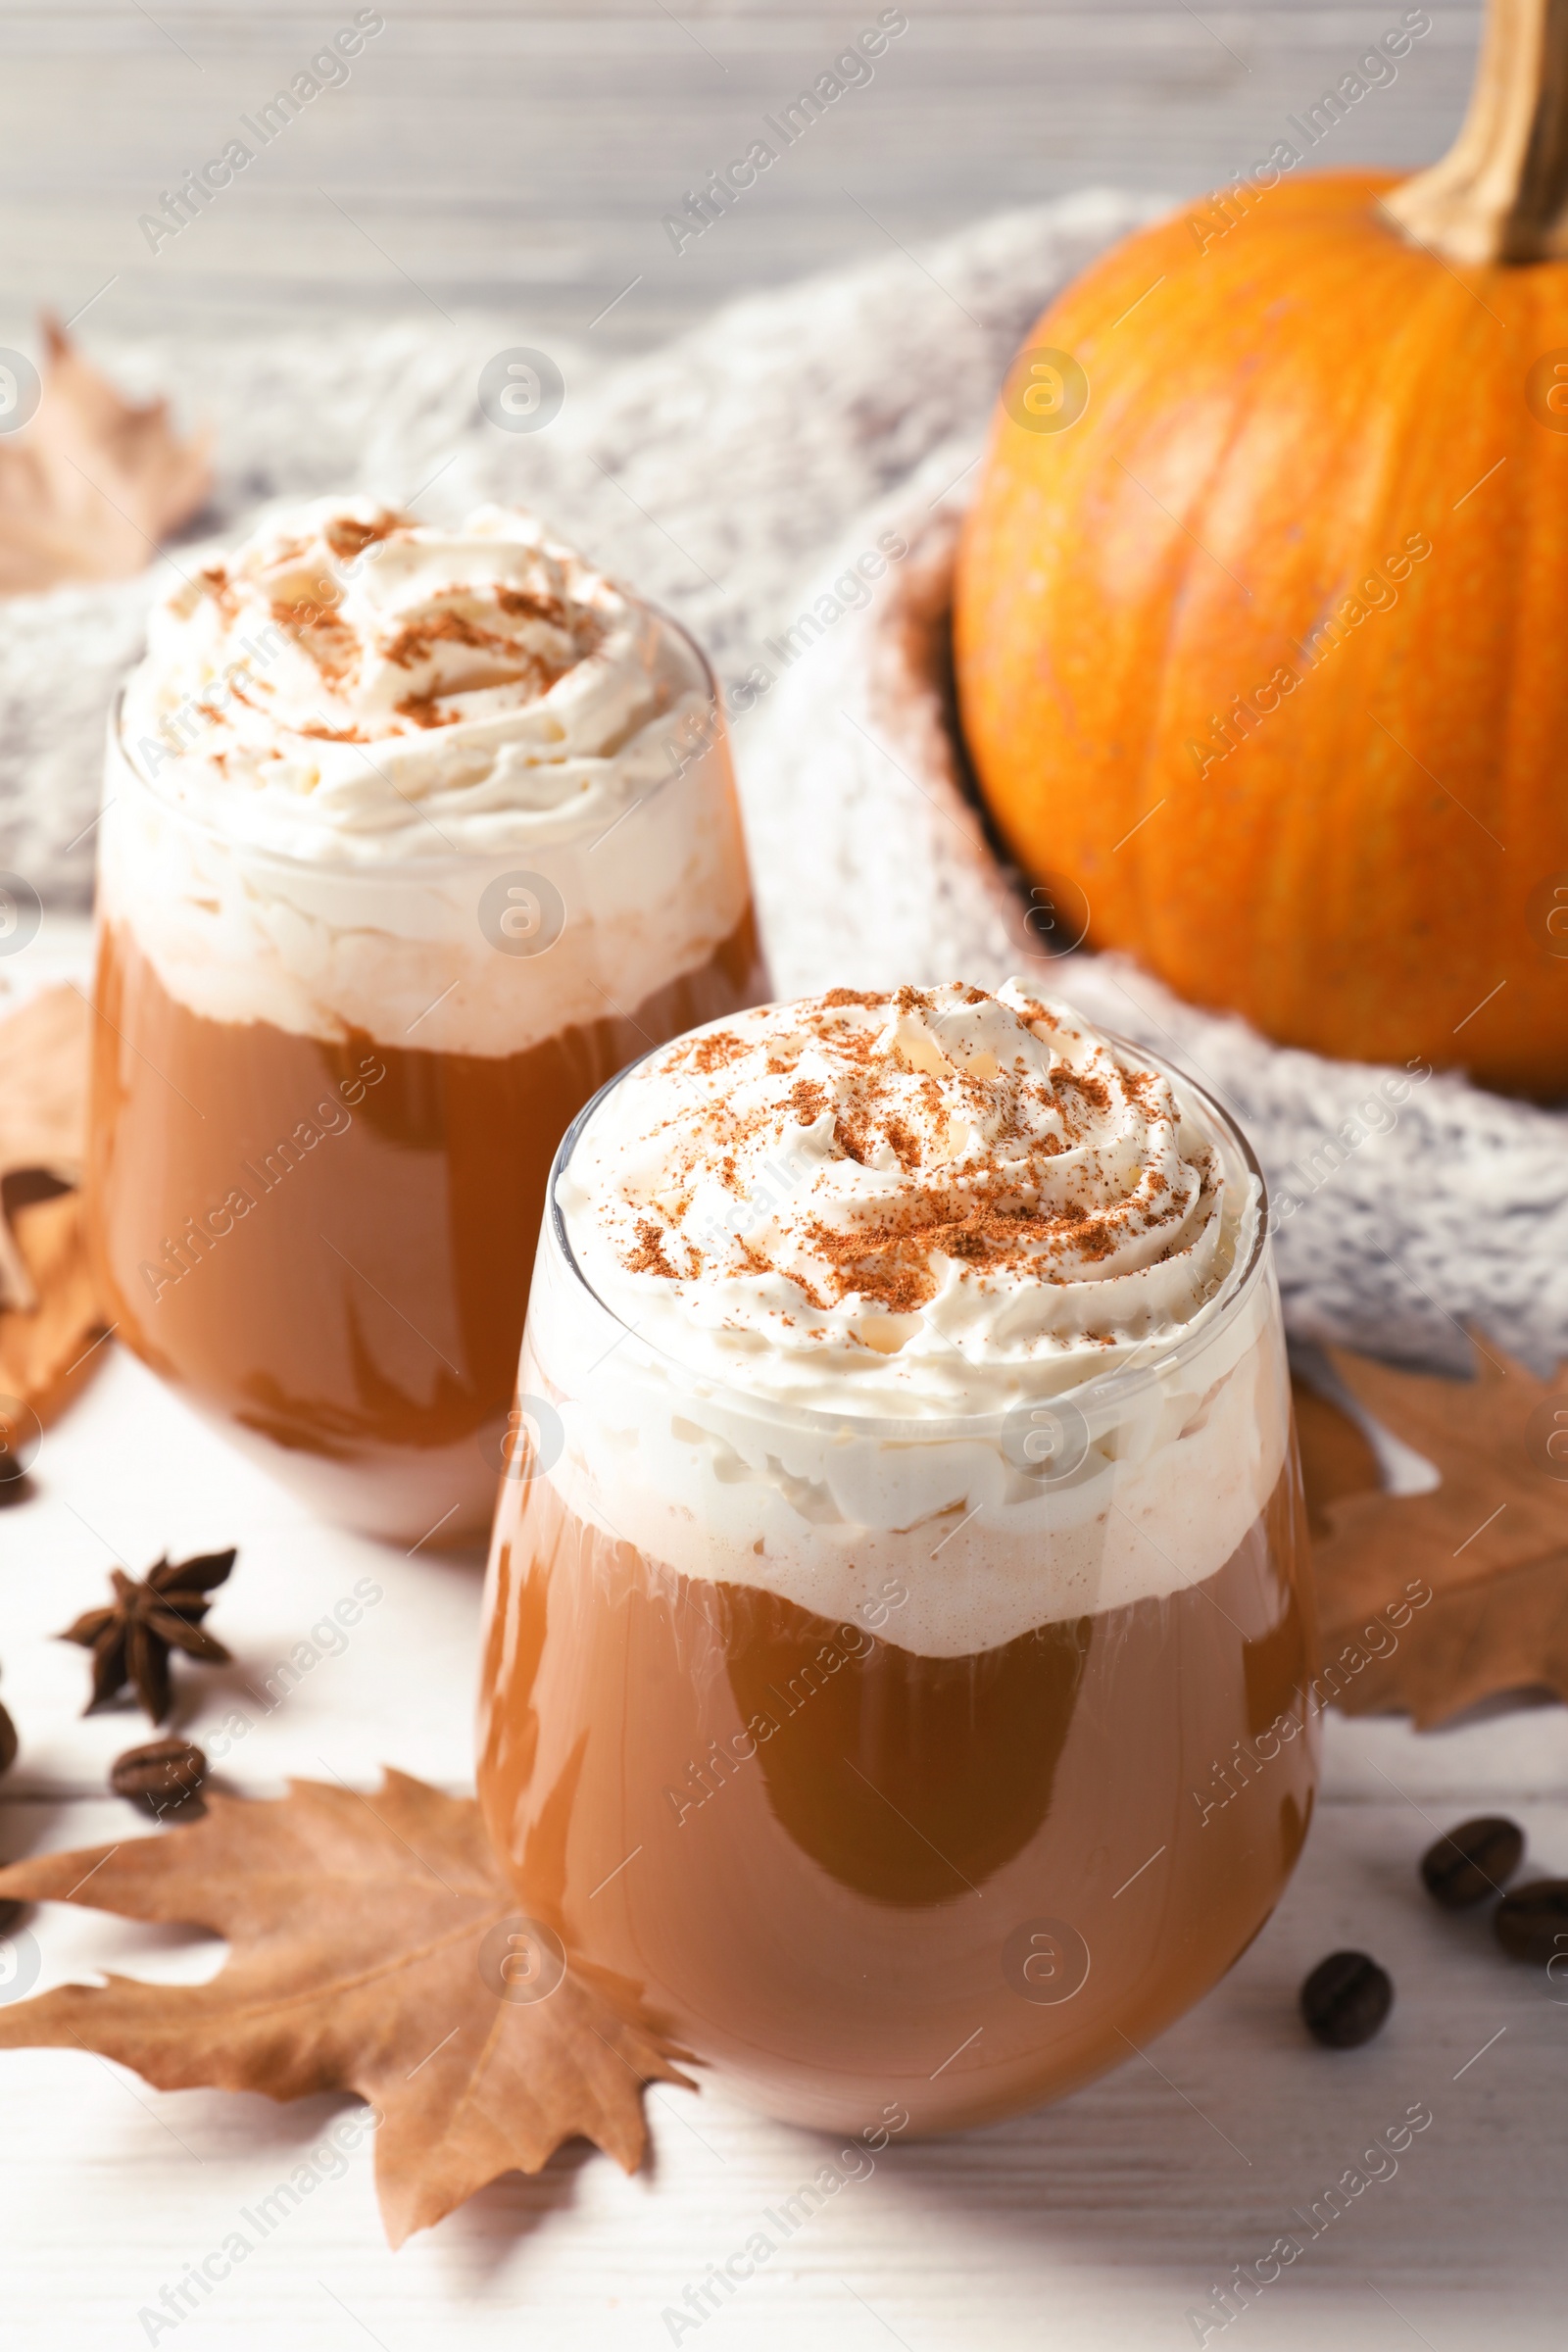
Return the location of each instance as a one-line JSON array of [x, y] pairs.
[[130, 1639]]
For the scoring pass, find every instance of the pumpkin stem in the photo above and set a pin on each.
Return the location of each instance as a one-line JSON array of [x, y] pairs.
[[1500, 193]]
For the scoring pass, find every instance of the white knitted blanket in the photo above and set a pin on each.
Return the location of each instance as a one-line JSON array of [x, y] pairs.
[[734, 478]]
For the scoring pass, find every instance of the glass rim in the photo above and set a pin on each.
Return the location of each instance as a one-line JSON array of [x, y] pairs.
[[424, 868], [1107, 1394]]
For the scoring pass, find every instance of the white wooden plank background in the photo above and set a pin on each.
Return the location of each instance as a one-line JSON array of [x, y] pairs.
[[521, 157]]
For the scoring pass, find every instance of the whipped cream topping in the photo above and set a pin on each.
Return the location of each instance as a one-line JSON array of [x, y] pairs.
[[936, 1202], [353, 685], [835, 1267], [355, 736]]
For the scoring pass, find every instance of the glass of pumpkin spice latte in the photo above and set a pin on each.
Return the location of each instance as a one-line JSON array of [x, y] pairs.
[[411, 838], [894, 1686]]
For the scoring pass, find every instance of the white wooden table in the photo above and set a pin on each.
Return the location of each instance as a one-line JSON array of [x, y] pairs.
[[1101, 2223]]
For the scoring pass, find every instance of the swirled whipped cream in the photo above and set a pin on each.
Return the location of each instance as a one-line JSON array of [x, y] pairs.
[[355, 685], [938, 1200], [353, 738]]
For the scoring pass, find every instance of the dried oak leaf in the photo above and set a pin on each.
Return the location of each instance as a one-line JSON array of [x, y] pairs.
[[43, 1094], [49, 1307], [1491, 1540], [355, 1928], [91, 484], [47, 1352], [132, 1636]]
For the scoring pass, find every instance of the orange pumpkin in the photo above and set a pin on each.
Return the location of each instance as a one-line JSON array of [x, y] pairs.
[[1261, 614]]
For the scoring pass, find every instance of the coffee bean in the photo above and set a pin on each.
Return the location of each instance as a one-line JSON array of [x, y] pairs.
[[1473, 1861], [163, 1775], [1531, 1923], [1345, 1999]]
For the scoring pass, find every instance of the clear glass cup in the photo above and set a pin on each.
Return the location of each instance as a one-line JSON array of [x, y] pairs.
[[325, 1101], [865, 1860]]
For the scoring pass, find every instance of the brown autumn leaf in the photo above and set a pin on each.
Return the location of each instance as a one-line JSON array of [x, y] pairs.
[[1337, 1457], [49, 1310], [43, 1109], [356, 1928], [47, 1352], [93, 481], [1491, 1540]]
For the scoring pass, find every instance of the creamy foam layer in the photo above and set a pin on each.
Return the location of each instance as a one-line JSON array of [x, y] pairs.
[[1086, 1363], [353, 685], [345, 733], [942, 1201]]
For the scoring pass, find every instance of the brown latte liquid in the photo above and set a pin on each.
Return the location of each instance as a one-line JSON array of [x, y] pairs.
[[329, 1244], [848, 1873]]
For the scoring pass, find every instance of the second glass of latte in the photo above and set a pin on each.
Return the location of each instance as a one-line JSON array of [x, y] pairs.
[[896, 1690], [412, 837]]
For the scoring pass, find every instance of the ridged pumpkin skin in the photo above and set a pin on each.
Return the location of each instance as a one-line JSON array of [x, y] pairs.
[[1271, 432]]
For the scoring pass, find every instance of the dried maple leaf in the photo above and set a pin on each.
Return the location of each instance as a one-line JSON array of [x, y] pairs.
[[358, 1930], [1491, 1540], [47, 1352], [43, 1104], [49, 1310], [1337, 1457], [92, 483], [131, 1638]]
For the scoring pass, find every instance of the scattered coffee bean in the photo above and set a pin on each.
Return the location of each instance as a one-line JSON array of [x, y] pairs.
[[163, 1775], [1531, 1923], [1473, 1861], [1345, 1999], [10, 1913]]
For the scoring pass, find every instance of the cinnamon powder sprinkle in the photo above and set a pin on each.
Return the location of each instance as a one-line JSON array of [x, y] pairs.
[[425, 710], [649, 1255], [708, 1053], [1014, 1167], [348, 536]]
